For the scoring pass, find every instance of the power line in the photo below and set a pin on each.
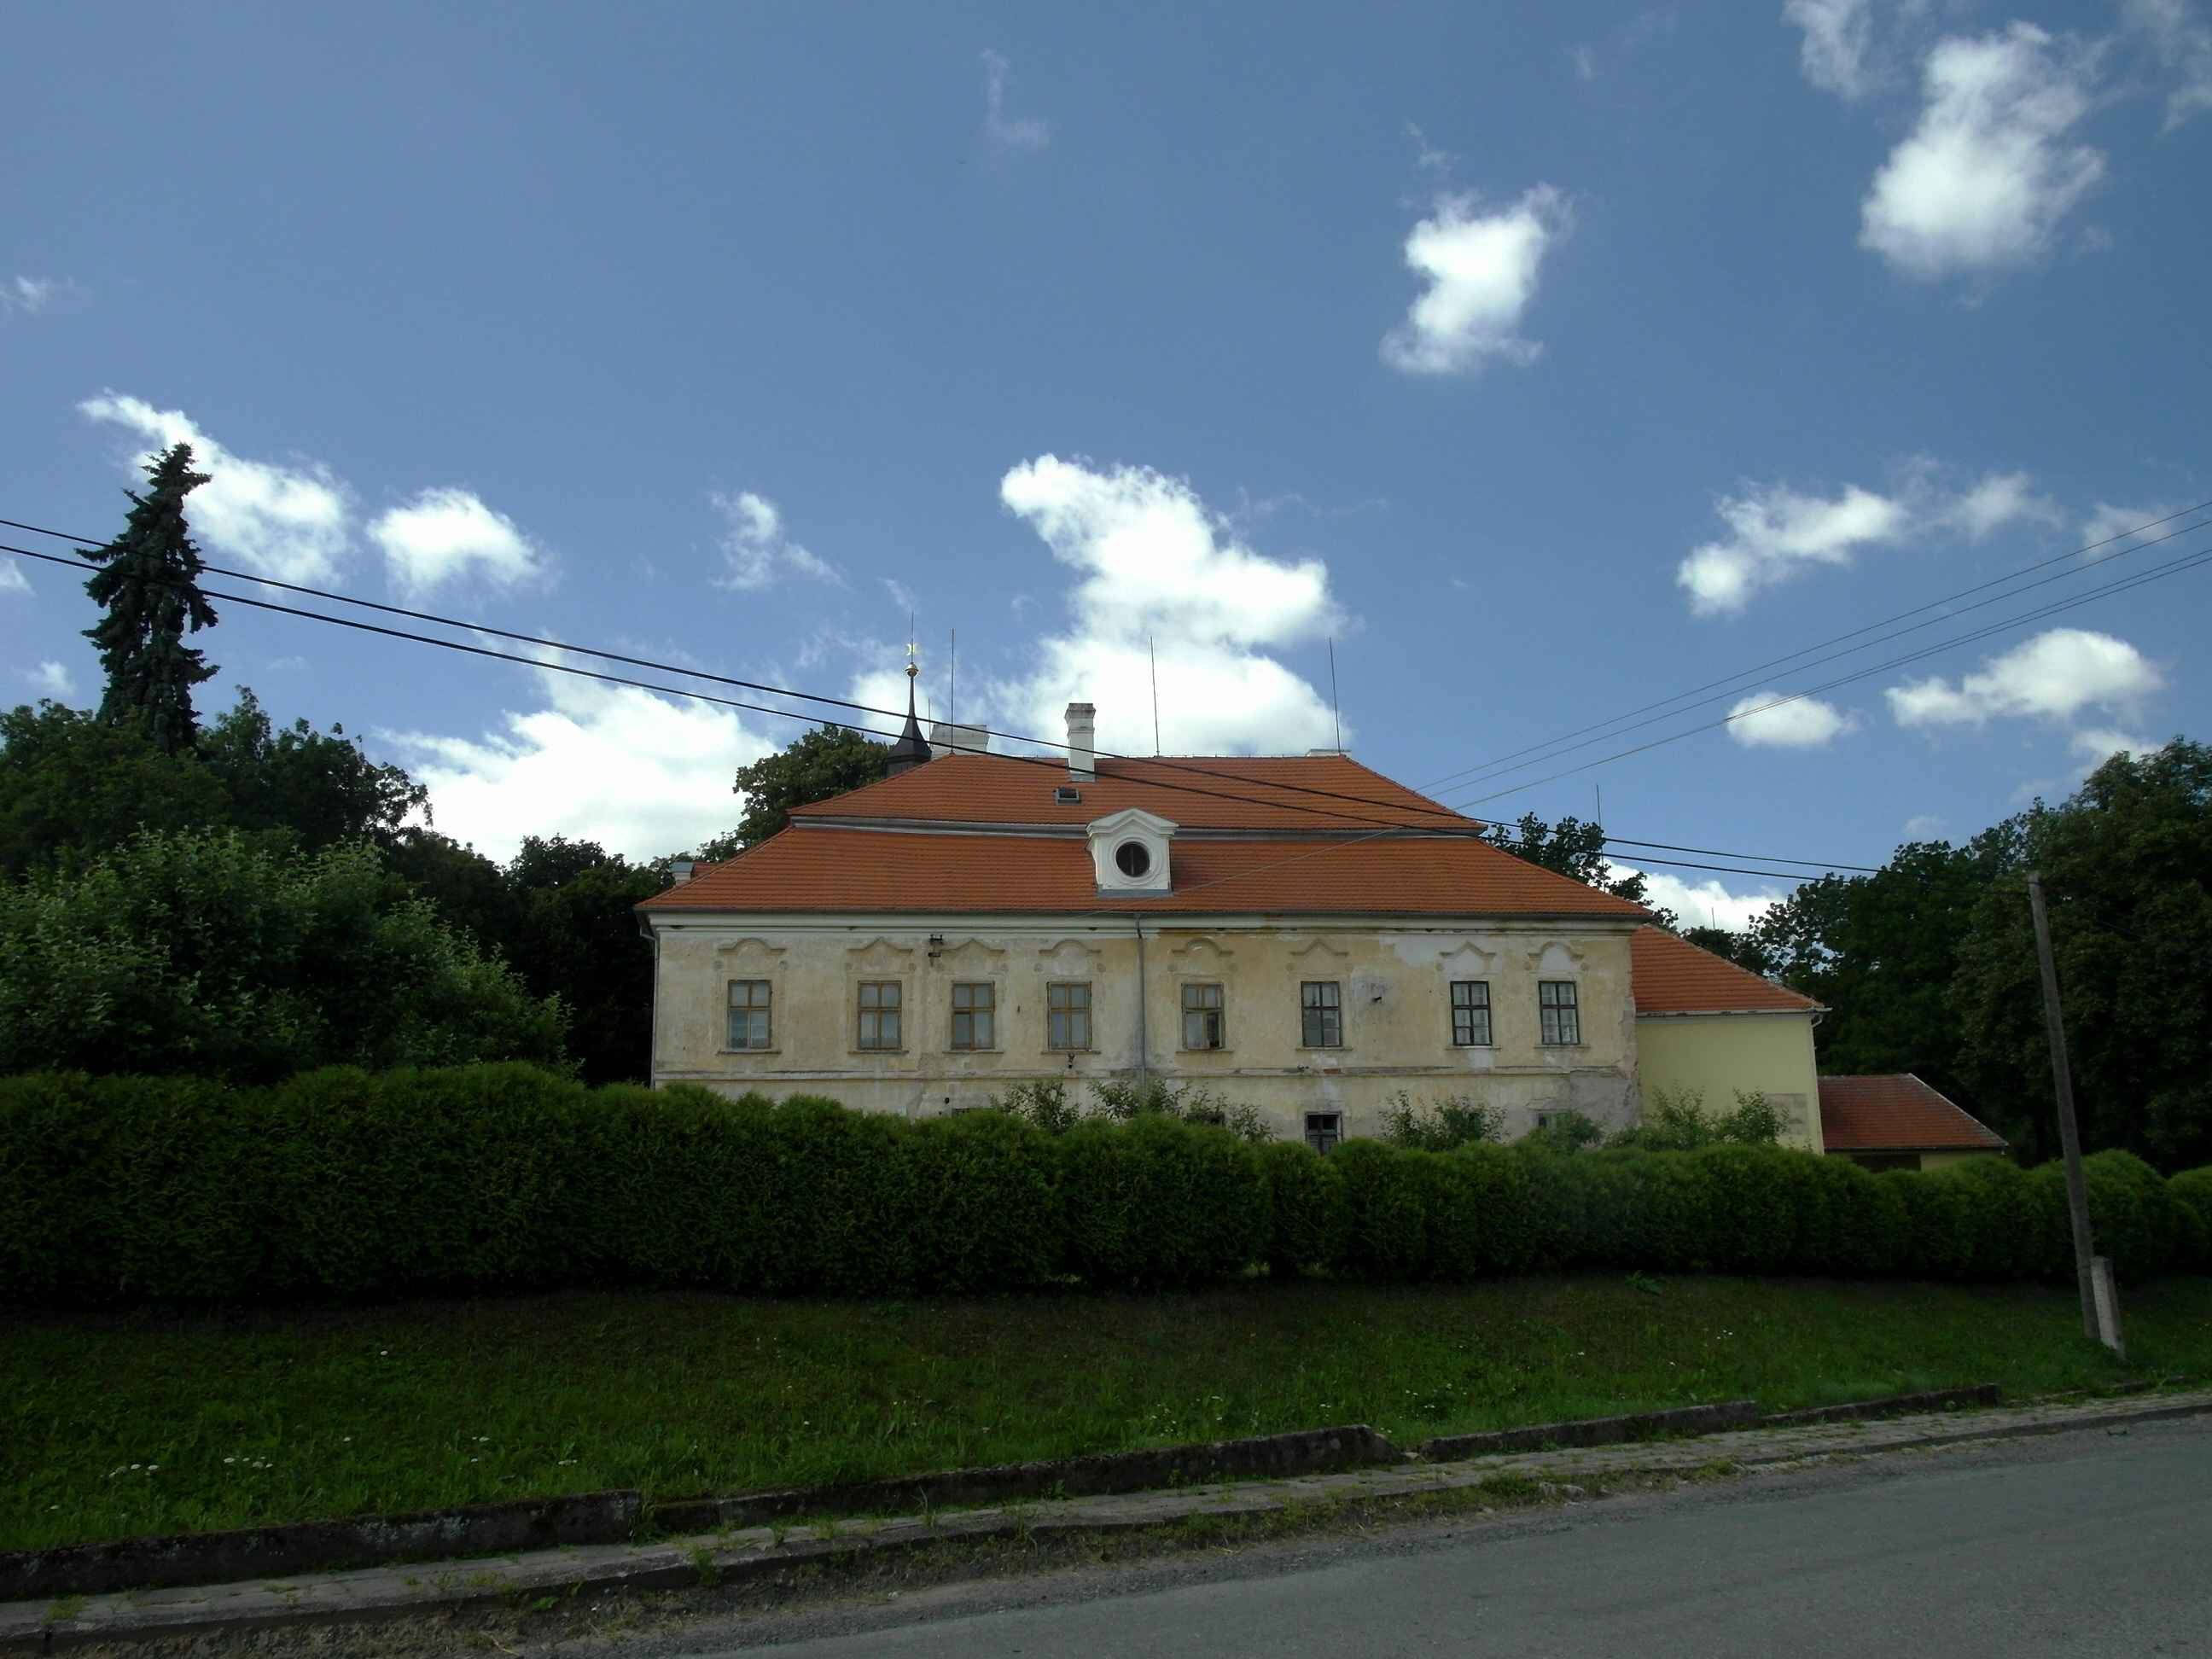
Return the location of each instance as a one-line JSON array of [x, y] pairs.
[[2173, 568], [1619, 729], [1776, 662]]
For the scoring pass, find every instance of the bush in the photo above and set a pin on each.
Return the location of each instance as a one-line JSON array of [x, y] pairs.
[[1045, 1102], [1677, 1121], [343, 1184], [1445, 1124]]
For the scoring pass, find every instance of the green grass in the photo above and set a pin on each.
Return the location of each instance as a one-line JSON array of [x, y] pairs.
[[112, 1427]]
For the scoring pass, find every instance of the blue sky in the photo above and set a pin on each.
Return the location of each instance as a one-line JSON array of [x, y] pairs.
[[1553, 360]]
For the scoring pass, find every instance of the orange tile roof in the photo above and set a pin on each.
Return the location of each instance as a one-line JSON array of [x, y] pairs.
[[1673, 976], [1898, 1113], [825, 867], [1228, 792]]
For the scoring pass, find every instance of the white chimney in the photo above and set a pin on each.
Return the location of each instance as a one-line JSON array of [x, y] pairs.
[[1082, 742]]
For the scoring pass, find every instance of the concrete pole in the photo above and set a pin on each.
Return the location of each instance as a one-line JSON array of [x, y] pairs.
[[2070, 1135]]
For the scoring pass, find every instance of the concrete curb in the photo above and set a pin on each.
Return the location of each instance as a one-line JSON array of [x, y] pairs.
[[1936, 1400], [734, 1556], [1594, 1431]]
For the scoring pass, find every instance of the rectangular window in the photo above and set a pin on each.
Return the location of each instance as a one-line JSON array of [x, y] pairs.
[[1067, 1016], [748, 1008], [973, 1008], [1201, 1016], [1562, 1018], [879, 1014], [1320, 1014], [1324, 1130], [1470, 1012]]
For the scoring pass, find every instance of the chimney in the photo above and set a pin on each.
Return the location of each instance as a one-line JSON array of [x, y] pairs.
[[1082, 742], [679, 871]]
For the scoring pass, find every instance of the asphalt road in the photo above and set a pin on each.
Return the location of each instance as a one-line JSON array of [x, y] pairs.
[[2089, 1544]]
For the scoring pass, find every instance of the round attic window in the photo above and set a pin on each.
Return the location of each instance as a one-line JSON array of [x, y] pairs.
[[1133, 858]]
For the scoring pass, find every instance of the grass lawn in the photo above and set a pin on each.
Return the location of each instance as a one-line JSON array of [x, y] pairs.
[[115, 1426]]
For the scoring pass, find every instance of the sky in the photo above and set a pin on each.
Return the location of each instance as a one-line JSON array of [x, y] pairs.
[[1550, 362]]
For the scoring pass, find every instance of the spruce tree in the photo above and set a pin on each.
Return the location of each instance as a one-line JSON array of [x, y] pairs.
[[148, 585]]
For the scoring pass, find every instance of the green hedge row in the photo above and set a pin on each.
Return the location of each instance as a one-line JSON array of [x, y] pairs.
[[343, 1184]]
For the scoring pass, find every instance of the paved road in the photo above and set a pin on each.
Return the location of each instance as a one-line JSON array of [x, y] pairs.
[[2094, 1545]]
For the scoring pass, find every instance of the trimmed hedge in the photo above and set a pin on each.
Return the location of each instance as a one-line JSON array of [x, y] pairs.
[[344, 1184]]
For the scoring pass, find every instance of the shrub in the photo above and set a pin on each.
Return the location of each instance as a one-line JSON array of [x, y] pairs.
[[1444, 1124], [1307, 1206], [1566, 1132], [1045, 1102], [1677, 1121], [1482, 1224], [1390, 1193], [1158, 1202], [2192, 1191]]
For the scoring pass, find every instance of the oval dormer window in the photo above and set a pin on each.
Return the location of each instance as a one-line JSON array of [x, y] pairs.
[[1133, 858]]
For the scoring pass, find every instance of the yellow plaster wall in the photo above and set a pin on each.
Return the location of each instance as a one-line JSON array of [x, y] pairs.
[[1396, 1011], [1717, 1054], [1945, 1160]]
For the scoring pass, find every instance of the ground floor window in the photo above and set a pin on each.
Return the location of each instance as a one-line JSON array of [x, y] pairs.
[[1470, 1013], [975, 1011], [1324, 1130], [879, 1014], [1201, 1016], [749, 1013], [1320, 1014], [1561, 1014], [1067, 1015]]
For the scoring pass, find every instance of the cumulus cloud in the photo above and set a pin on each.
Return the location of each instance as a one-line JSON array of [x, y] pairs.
[[641, 775], [1151, 561], [1837, 35], [1480, 272], [12, 579], [1775, 532], [290, 522], [52, 679], [445, 535], [1761, 720], [1924, 826], [2110, 529], [2095, 745], [1004, 128], [1983, 180], [2183, 42], [756, 549], [1705, 903], [2053, 676]]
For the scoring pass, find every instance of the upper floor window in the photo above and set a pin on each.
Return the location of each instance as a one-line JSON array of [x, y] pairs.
[[1320, 1014], [974, 1009], [1067, 1015], [1561, 1016], [748, 1011], [879, 1014], [1470, 1013], [1201, 1016]]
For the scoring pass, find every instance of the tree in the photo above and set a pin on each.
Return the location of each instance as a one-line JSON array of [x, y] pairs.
[[72, 789], [2127, 861], [1743, 948], [822, 762], [148, 585], [1573, 849], [576, 933], [213, 952], [320, 786]]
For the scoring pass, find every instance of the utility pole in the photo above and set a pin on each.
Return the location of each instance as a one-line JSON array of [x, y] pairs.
[[2070, 1135]]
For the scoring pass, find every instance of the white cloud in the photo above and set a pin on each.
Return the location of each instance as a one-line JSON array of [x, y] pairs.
[[639, 773], [1924, 826], [27, 294], [1775, 532], [1591, 60], [1481, 271], [2054, 677], [1837, 35], [1152, 561], [1429, 157], [754, 548], [1805, 723], [52, 679], [901, 595], [1007, 132], [12, 579], [2107, 529], [2183, 42], [288, 522], [1985, 177], [1705, 903], [444, 535], [2097, 745]]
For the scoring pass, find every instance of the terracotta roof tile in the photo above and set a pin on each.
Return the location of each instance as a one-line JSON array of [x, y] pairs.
[[1248, 794], [1897, 1114], [1673, 976], [825, 867]]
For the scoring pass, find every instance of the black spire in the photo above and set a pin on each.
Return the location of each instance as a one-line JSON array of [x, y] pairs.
[[910, 750]]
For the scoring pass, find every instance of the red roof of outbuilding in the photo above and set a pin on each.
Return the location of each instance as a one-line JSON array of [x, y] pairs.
[[1897, 1113], [824, 867], [1673, 976]]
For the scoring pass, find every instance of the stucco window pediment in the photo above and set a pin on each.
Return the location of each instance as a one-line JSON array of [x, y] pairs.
[[1557, 959], [755, 956], [879, 957], [1200, 958]]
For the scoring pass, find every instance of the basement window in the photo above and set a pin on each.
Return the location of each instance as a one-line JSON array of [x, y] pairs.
[[1324, 1130]]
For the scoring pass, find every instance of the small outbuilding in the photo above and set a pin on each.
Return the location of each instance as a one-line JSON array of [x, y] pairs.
[[1896, 1122]]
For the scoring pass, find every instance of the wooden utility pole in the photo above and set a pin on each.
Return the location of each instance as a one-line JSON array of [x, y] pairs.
[[2070, 1135]]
